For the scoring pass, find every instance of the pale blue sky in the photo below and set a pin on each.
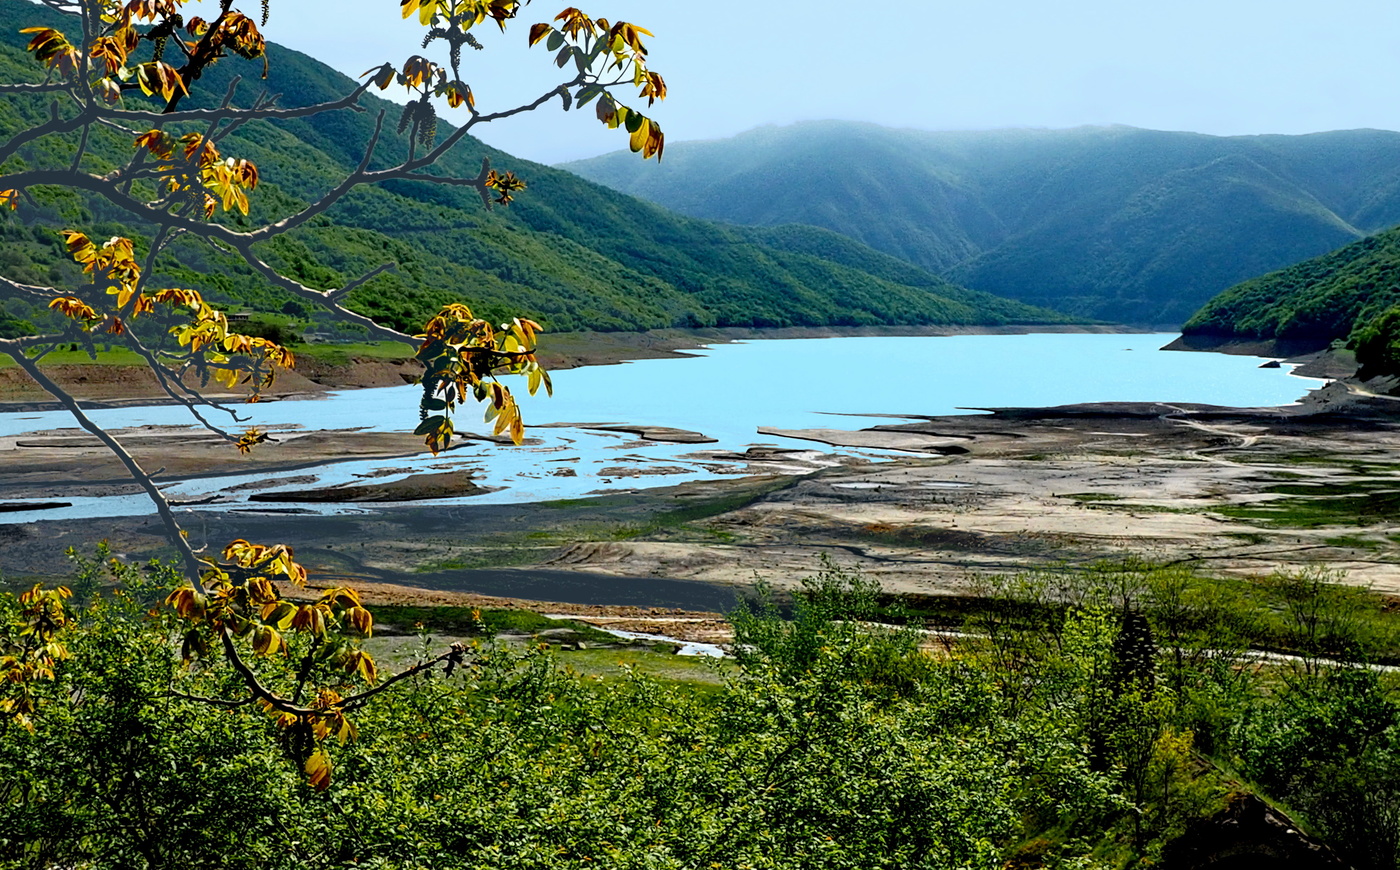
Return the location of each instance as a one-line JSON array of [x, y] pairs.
[[1224, 67]]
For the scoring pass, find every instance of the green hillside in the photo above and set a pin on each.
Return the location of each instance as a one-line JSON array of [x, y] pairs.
[[569, 253], [1114, 223], [1319, 300]]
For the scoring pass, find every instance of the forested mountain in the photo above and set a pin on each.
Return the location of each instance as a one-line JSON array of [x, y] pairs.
[[1316, 301], [569, 253], [1115, 223]]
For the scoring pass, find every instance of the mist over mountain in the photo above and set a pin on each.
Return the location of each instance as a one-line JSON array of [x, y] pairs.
[[1114, 223], [569, 253]]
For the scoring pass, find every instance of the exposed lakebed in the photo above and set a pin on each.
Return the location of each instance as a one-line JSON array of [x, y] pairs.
[[777, 405]]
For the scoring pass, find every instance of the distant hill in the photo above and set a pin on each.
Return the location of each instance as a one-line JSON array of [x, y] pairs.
[[569, 253], [1314, 302], [1113, 223]]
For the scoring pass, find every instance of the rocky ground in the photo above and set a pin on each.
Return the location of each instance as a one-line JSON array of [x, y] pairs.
[[1235, 490]]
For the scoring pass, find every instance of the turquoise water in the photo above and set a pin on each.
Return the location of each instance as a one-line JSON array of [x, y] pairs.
[[727, 392]]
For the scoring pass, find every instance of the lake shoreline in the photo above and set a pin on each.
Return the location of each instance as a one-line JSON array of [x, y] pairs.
[[1228, 489], [112, 386], [1008, 490]]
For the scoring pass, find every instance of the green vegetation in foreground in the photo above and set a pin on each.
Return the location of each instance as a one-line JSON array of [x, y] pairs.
[[1086, 720], [568, 253], [694, 675]]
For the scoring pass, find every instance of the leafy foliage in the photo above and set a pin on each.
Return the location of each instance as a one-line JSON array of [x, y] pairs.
[[1052, 736], [172, 180], [1377, 344], [461, 355]]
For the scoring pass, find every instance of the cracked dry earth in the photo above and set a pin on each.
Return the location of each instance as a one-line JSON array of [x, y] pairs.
[[1237, 491]]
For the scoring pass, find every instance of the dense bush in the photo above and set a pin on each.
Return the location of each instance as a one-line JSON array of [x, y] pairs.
[[1377, 345], [1060, 732]]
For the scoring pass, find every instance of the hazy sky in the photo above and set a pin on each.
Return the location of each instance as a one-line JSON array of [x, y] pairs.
[[1224, 67]]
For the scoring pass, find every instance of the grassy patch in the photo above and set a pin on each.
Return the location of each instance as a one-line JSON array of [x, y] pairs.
[[504, 556], [596, 502], [344, 354], [462, 621], [1353, 542], [659, 662], [1091, 496], [704, 508], [116, 357], [1310, 506], [690, 672], [1350, 465], [694, 509], [1143, 508], [1252, 538]]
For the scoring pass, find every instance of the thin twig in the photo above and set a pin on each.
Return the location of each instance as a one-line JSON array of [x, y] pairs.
[[215, 702], [193, 567], [334, 295]]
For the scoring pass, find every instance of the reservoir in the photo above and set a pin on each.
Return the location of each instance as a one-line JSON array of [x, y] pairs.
[[726, 393]]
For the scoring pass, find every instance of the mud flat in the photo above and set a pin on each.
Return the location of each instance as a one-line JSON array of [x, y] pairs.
[[416, 487], [69, 462], [1241, 491]]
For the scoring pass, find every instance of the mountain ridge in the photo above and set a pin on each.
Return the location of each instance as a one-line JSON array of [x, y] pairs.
[[1309, 304], [568, 253], [1117, 223]]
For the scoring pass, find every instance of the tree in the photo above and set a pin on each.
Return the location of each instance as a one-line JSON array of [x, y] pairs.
[[128, 129], [1377, 345]]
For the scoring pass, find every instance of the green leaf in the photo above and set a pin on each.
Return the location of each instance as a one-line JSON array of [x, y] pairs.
[[587, 94], [432, 424]]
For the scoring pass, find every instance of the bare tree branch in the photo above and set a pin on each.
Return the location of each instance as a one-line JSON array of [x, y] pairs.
[[215, 702], [319, 296], [45, 294], [175, 534], [55, 124], [336, 295], [164, 378]]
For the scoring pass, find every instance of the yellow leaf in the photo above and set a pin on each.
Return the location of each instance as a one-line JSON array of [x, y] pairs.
[[639, 136], [318, 771]]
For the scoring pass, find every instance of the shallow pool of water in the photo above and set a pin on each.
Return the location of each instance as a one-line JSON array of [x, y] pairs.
[[726, 392]]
